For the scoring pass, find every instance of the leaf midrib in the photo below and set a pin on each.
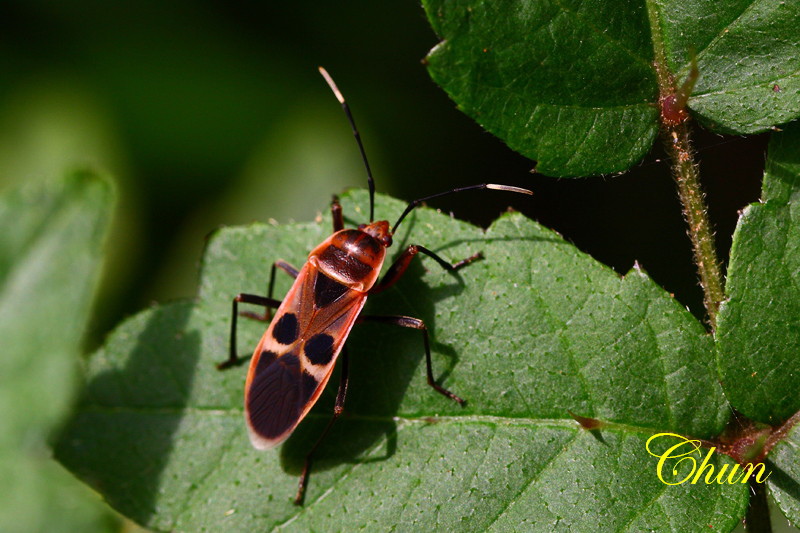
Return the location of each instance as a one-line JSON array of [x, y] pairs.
[[566, 422]]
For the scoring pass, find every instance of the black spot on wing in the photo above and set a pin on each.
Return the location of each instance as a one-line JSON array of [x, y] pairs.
[[277, 395], [319, 349], [266, 358], [286, 329], [309, 385], [327, 290]]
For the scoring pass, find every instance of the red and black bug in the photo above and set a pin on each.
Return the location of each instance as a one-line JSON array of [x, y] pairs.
[[296, 355]]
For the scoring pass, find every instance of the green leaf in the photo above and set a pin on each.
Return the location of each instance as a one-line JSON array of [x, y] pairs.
[[785, 472], [534, 330], [759, 324], [748, 54], [758, 328], [536, 74], [782, 176], [573, 84], [50, 241]]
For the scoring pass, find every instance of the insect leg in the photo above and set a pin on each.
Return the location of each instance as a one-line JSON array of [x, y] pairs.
[[336, 214], [286, 267], [399, 267], [338, 408], [415, 323], [233, 358]]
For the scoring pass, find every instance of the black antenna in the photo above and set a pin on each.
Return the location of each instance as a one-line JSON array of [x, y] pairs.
[[492, 186], [347, 112]]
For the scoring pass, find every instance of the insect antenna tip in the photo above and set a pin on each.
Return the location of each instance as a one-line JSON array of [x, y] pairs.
[[332, 84], [509, 188]]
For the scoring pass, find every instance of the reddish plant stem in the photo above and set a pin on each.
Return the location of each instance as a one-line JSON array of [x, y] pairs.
[[675, 134], [685, 171]]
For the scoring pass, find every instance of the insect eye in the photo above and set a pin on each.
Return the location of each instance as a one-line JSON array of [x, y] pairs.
[[387, 241], [362, 226]]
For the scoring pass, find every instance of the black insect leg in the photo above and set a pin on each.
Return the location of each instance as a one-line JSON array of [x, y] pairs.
[[286, 267], [415, 323], [338, 408], [336, 214], [399, 267], [233, 358]]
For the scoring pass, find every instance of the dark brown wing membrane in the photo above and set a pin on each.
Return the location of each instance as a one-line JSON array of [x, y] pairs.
[[278, 395]]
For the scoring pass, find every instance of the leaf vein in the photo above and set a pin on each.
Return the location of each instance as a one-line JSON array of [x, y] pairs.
[[510, 501], [587, 22], [723, 31]]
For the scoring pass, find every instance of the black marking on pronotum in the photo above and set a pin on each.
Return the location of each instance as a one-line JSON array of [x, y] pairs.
[[350, 264], [286, 329], [327, 290], [364, 242], [319, 349]]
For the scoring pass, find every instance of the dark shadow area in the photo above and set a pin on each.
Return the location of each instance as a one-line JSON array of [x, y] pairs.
[[121, 437], [783, 481], [598, 435], [346, 442]]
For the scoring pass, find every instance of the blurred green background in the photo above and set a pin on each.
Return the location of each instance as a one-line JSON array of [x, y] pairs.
[[210, 113]]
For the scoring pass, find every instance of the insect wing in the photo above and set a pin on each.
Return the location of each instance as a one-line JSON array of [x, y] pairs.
[[295, 358]]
